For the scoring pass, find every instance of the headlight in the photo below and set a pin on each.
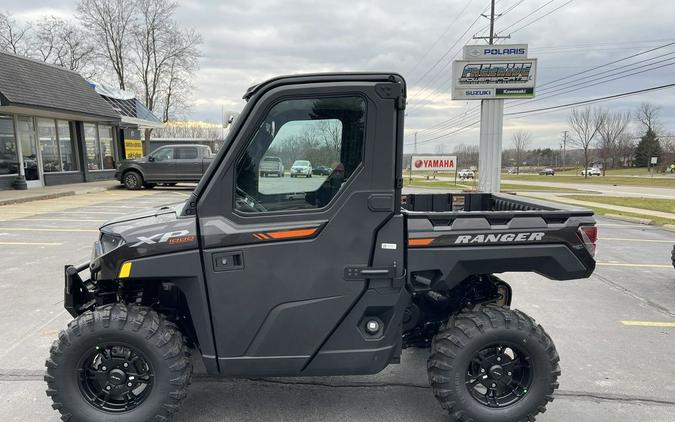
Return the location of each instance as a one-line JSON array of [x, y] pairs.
[[110, 242]]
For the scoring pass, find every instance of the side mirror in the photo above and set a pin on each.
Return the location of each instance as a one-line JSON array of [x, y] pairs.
[[151, 158]]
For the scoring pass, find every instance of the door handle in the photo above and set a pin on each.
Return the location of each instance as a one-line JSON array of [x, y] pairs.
[[227, 261]]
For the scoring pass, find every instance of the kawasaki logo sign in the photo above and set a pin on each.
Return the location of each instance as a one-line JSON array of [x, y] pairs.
[[500, 238], [434, 162]]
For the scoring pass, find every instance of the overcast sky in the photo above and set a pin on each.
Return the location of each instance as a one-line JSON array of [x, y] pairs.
[[246, 42]]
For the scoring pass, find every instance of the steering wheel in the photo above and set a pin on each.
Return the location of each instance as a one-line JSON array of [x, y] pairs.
[[247, 203]]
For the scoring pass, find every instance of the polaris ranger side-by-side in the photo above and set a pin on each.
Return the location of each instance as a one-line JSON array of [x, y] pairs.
[[331, 275]]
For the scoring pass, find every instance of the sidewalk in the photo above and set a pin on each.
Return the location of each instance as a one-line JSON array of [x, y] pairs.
[[557, 198], [48, 192]]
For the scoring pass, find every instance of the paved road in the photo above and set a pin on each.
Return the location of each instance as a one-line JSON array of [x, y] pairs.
[[621, 190], [611, 371]]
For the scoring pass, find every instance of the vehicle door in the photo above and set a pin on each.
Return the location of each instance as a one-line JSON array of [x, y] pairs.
[[160, 164], [282, 256], [188, 163]]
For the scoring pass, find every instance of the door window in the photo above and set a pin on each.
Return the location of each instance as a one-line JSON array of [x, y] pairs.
[[106, 141], [26, 131], [67, 146], [320, 143], [163, 154]]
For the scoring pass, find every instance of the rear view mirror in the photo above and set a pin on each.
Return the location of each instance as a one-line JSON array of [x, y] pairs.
[[151, 158]]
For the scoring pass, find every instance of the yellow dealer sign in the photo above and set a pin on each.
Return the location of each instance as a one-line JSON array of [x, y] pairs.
[[133, 148]]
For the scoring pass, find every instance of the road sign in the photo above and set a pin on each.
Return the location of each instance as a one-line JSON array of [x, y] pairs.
[[485, 79], [492, 52], [655, 160], [434, 162]]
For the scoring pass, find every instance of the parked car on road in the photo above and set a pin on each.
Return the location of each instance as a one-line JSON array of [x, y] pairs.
[[301, 168], [167, 165], [271, 165], [591, 171], [547, 172], [466, 174], [322, 171]]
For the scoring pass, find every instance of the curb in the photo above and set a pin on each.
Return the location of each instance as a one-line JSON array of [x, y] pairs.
[[670, 227], [55, 195], [638, 220]]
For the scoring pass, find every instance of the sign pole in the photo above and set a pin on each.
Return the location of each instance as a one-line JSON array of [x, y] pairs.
[[490, 147]]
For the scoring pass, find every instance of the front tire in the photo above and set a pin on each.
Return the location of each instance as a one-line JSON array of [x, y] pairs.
[[493, 364], [118, 363], [132, 180]]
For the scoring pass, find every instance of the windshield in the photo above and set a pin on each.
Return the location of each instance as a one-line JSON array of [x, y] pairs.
[[301, 163]]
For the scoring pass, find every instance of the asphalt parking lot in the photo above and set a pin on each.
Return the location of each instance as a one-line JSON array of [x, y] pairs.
[[615, 332]]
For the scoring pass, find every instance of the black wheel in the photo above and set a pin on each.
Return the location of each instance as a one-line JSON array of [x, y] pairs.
[[132, 180], [493, 364], [149, 185], [118, 363]]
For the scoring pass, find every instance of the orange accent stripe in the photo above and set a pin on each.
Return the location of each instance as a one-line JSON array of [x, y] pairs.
[[263, 236], [287, 234], [420, 242], [258, 236]]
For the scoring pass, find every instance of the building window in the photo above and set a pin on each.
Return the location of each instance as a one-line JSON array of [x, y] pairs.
[[66, 146], [99, 143], [9, 163], [49, 147], [106, 139], [93, 150]]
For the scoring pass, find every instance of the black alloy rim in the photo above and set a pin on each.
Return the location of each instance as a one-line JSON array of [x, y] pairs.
[[499, 375], [115, 377]]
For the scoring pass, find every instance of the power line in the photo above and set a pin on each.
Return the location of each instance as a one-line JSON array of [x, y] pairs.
[[541, 17], [419, 61], [559, 107], [528, 15], [593, 100], [448, 123]]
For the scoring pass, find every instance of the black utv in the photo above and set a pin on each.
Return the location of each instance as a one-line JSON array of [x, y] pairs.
[[332, 275]]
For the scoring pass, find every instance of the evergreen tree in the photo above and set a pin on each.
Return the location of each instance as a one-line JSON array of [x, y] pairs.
[[648, 147]]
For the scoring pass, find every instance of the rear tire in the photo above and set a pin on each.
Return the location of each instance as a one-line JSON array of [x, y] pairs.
[[493, 364], [118, 363], [132, 180]]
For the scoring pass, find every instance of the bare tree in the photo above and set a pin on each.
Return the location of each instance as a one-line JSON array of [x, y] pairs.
[[164, 53], [521, 141], [625, 148], [585, 123], [109, 23], [648, 116], [13, 35], [60, 42], [612, 128]]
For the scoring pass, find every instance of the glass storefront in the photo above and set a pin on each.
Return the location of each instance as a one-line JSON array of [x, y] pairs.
[[50, 146], [8, 159]]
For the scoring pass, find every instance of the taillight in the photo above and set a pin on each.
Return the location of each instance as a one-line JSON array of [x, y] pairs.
[[589, 235]]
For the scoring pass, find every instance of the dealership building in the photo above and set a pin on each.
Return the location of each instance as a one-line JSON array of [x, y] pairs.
[[57, 128]]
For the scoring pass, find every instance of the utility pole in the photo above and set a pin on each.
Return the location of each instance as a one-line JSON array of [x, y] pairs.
[[415, 149], [491, 129], [564, 147]]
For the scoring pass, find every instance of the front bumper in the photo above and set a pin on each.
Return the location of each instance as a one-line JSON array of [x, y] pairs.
[[76, 296]]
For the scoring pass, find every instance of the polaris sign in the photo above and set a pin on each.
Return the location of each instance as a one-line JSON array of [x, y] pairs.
[[492, 72], [488, 52]]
